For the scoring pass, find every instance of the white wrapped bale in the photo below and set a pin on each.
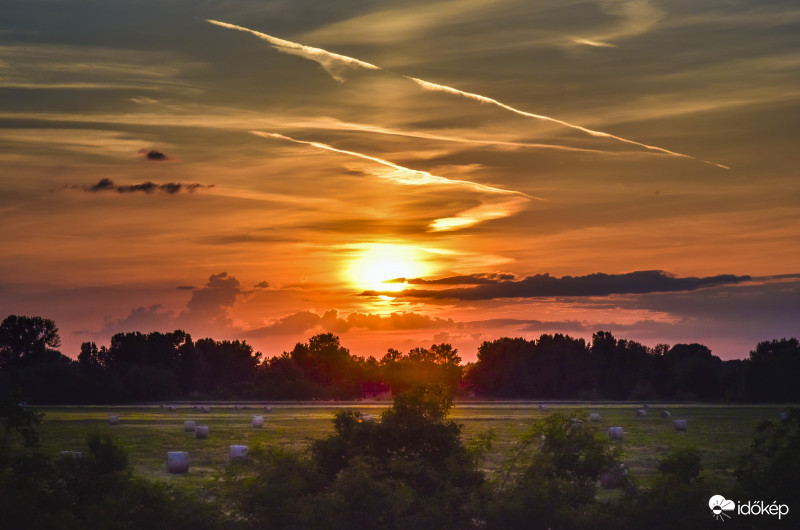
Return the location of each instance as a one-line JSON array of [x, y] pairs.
[[594, 416], [177, 462], [641, 413], [238, 452], [113, 419], [205, 408], [616, 433], [173, 408], [237, 407], [267, 408], [189, 426], [665, 414], [257, 422], [201, 432], [680, 425]]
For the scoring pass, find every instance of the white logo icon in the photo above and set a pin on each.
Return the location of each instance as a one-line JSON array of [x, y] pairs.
[[719, 505]]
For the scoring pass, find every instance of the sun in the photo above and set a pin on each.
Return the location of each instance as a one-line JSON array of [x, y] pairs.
[[378, 263]]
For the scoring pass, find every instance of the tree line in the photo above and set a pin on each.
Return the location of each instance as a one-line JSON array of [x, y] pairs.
[[137, 367]]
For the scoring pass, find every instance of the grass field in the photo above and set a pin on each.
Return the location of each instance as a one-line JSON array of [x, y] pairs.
[[721, 432]]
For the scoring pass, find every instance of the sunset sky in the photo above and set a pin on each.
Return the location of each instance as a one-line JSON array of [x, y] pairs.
[[260, 169]]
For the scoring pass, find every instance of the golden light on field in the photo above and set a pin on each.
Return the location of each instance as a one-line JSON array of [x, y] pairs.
[[376, 264]]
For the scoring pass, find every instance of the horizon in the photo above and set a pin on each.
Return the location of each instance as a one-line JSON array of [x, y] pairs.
[[402, 175]]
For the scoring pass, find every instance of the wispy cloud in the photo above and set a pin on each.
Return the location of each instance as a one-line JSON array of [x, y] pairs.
[[170, 188], [333, 63], [490, 209], [636, 17]]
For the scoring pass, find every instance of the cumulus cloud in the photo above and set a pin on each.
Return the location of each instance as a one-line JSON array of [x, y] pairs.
[[210, 304], [152, 318], [544, 285], [170, 188], [152, 154]]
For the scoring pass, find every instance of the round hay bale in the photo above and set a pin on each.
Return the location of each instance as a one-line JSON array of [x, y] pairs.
[[594, 416], [680, 425], [205, 408], [161, 406], [641, 413], [665, 414], [257, 423], [237, 407], [113, 419], [201, 432], [238, 452], [189, 426], [177, 462], [267, 408], [616, 433], [173, 408], [542, 407]]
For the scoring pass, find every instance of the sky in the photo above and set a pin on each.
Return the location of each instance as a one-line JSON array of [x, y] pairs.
[[402, 173]]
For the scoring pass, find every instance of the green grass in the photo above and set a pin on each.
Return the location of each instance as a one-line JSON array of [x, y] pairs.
[[721, 432]]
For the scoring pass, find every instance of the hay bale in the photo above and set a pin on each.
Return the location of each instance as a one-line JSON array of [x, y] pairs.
[[258, 422], [205, 408], [641, 413], [237, 407], [665, 414], [614, 478], [542, 407], [267, 408], [646, 406], [173, 408], [201, 432], [616, 433], [238, 452], [113, 419], [177, 462], [189, 426], [594, 416], [680, 425]]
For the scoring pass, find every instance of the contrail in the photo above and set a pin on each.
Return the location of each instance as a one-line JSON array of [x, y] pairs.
[[407, 176], [328, 60], [491, 209], [483, 99]]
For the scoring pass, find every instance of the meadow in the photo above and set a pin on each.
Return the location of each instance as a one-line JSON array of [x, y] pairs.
[[147, 432]]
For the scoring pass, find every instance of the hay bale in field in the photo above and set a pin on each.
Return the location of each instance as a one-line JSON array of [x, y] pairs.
[[641, 413], [189, 426], [201, 432], [258, 422], [161, 406], [113, 419], [614, 478], [173, 408], [237, 407], [205, 408], [72, 455], [177, 462], [665, 414], [267, 408], [594, 416], [646, 406], [238, 452], [680, 425], [542, 407], [616, 433], [366, 417]]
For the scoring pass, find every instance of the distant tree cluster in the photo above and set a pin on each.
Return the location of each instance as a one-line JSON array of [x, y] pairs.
[[161, 366]]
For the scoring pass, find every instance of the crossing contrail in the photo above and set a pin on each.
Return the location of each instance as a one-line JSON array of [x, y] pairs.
[[332, 62]]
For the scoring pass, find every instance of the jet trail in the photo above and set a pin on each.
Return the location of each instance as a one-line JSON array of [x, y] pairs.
[[483, 99], [510, 204], [330, 61]]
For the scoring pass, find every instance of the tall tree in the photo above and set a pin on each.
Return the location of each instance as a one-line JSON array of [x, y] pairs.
[[25, 341]]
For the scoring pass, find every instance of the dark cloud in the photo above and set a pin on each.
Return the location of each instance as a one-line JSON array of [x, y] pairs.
[[145, 319], [209, 304], [471, 279], [157, 156], [545, 286], [261, 285], [170, 188], [186, 287]]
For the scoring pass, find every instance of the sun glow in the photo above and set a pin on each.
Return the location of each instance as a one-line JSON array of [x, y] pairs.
[[376, 264]]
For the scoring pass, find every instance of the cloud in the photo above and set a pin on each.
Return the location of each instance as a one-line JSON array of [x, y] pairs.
[[305, 321], [489, 209], [636, 17], [209, 304], [145, 319], [470, 279], [152, 154], [545, 286], [170, 188], [261, 285], [333, 63]]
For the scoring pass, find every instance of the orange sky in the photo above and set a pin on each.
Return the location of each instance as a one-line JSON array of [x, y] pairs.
[[534, 167]]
